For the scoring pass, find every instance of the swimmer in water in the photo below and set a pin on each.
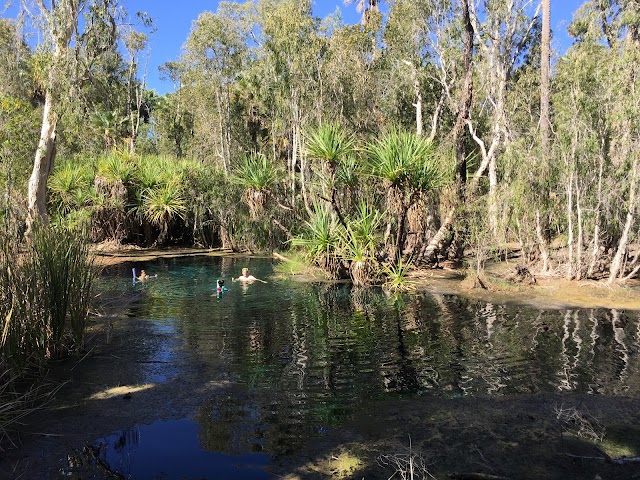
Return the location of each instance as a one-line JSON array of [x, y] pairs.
[[220, 286], [246, 277], [143, 276]]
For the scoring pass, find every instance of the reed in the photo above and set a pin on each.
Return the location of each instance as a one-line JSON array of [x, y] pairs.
[[46, 289], [45, 293]]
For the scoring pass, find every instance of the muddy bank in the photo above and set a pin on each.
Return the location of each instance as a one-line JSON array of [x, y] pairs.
[[563, 437]]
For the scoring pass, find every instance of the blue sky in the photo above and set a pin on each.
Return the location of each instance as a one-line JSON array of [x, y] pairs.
[[173, 22]]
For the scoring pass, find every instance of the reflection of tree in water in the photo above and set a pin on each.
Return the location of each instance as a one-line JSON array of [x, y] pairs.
[[231, 427]]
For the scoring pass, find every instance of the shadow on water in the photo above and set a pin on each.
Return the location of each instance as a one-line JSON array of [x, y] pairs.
[[306, 358], [136, 452]]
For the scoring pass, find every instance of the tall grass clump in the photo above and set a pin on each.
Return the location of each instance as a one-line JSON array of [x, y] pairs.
[[45, 292], [46, 289]]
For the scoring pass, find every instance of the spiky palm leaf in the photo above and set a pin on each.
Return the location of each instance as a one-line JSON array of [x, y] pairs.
[[330, 143], [154, 171], [163, 204], [115, 167], [320, 240], [396, 274], [256, 174], [255, 171], [70, 187]]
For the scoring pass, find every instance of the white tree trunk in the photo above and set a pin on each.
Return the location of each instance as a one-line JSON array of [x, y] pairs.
[[595, 251], [616, 264], [570, 226], [418, 104], [580, 240], [42, 166], [544, 252]]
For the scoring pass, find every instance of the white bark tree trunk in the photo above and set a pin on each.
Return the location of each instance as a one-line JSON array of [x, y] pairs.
[[570, 239], [616, 263], [42, 166]]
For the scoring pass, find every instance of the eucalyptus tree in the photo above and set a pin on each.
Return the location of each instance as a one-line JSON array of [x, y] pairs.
[[71, 48], [173, 121], [366, 7], [217, 53], [135, 43], [289, 70], [504, 30], [454, 60], [18, 114], [408, 42], [15, 58], [545, 77], [354, 87], [595, 103], [545, 124]]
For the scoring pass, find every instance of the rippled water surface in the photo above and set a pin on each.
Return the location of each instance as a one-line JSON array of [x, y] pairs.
[[313, 353]]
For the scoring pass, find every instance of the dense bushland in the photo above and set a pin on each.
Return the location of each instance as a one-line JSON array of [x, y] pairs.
[[431, 130]]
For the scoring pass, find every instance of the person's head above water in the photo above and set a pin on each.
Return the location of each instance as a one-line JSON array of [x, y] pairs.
[[245, 270], [220, 282]]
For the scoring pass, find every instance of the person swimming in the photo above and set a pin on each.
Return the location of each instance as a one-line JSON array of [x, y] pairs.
[[143, 276], [220, 286], [246, 277]]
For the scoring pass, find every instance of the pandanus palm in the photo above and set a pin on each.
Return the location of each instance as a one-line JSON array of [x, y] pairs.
[[320, 239], [406, 165], [256, 175], [332, 145], [163, 205], [359, 242]]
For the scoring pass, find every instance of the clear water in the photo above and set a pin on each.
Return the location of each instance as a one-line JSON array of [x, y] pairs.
[[314, 353]]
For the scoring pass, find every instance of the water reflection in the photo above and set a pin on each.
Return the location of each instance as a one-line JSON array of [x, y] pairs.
[[177, 449], [315, 353]]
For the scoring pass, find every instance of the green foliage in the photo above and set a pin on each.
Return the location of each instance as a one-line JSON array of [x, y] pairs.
[[403, 159], [359, 239], [330, 143], [163, 204], [115, 166], [70, 187], [321, 236], [19, 124], [45, 297], [153, 171], [397, 277], [255, 171]]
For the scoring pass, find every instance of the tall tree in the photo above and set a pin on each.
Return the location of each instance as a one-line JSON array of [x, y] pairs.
[[74, 46], [61, 19], [365, 7], [545, 121], [545, 76]]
